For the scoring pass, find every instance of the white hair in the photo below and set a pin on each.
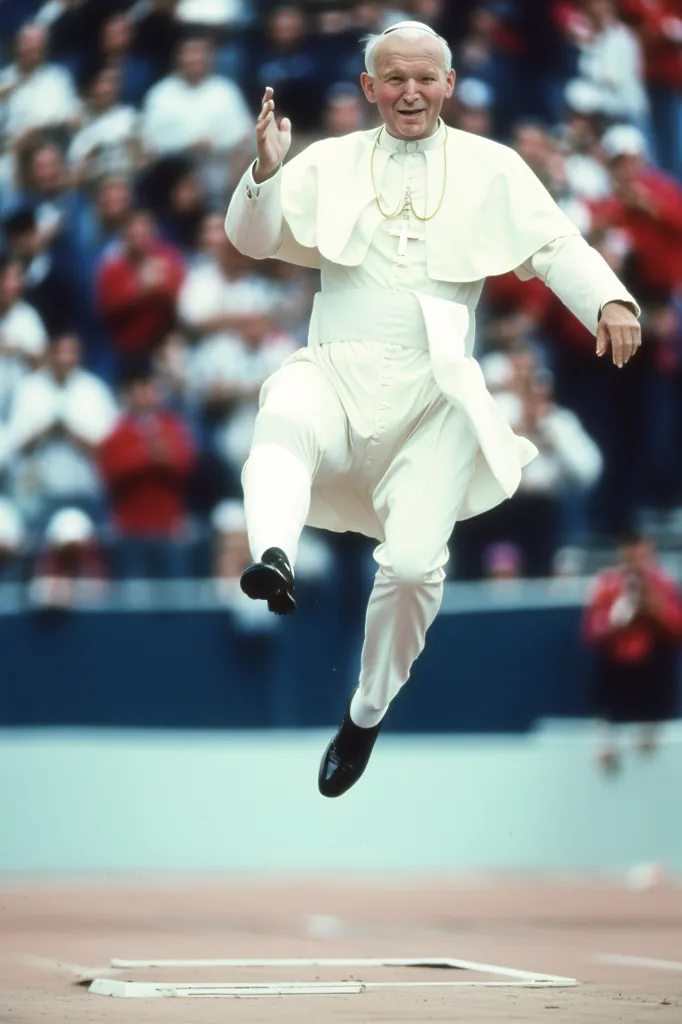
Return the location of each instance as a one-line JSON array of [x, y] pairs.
[[406, 30]]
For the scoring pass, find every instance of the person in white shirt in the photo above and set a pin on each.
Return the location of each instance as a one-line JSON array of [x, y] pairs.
[[383, 425], [108, 141], [586, 175], [613, 60], [37, 94], [550, 506], [230, 311], [59, 415], [198, 112], [23, 338]]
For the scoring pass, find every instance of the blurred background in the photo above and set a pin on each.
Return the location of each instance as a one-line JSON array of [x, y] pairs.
[[134, 340]]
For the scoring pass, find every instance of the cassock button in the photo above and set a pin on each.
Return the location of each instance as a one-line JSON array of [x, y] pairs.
[[411, 147]]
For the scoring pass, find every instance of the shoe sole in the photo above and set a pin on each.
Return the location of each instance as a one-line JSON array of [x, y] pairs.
[[266, 583]]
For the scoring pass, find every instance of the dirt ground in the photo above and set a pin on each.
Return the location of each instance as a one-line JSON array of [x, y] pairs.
[[53, 934]]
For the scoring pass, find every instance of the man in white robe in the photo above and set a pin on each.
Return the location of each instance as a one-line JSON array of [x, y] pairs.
[[383, 424]]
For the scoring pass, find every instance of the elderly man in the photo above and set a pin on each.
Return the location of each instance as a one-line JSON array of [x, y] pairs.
[[38, 94], [383, 425]]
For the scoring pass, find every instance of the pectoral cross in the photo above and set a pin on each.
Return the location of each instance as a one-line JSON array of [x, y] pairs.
[[404, 236]]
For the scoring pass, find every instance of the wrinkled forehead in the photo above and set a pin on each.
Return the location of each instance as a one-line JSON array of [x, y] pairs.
[[411, 56]]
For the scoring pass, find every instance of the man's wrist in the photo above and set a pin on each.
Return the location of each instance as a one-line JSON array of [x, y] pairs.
[[260, 174], [634, 309]]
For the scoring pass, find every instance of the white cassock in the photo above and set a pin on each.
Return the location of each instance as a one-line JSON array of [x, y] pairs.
[[383, 424]]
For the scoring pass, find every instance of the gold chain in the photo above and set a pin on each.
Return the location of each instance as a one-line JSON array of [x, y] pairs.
[[404, 204]]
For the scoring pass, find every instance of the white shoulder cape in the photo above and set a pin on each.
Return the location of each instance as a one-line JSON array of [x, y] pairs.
[[495, 213]]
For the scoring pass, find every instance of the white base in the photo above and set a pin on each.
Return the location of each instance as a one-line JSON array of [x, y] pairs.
[[146, 990]]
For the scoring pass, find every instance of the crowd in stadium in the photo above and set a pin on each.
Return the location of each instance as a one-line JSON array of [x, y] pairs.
[[134, 338]]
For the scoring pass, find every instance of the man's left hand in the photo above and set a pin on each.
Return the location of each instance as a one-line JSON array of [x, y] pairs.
[[618, 330]]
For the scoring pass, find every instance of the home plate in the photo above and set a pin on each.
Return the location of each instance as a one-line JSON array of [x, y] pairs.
[[357, 976]]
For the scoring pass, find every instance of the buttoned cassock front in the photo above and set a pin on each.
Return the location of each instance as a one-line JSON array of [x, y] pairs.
[[386, 407]]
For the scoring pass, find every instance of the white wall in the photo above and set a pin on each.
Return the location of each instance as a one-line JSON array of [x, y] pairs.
[[110, 801]]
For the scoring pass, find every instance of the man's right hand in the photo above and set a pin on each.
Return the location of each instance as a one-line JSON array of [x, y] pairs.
[[273, 142]]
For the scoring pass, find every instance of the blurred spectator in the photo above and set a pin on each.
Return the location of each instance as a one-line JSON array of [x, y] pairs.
[[222, 292], [532, 141], [37, 94], [345, 110], [660, 26], [490, 52], [48, 286], [634, 623], [568, 464], [98, 229], [137, 286], [22, 333], [173, 188], [117, 50], [288, 57], [59, 415], [647, 204], [107, 143], [587, 177], [47, 188], [105, 219], [71, 568], [146, 462], [157, 33], [231, 315], [472, 104], [67, 23], [612, 58], [201, 113]]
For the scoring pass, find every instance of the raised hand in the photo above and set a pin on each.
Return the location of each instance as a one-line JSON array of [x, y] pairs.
[[272, 141], [618, 330]]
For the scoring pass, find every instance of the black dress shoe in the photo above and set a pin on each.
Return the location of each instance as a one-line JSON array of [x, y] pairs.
[[346, 757], [271, 580]]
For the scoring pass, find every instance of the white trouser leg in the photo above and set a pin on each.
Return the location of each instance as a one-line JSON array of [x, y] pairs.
[[300, 425], [276, 499], [418, 501]]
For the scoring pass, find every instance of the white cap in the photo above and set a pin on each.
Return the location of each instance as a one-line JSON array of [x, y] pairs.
[[11, 530], [584, 97], [623, 140], [475, 94], [417, 26], [228, 517], [69, 526]]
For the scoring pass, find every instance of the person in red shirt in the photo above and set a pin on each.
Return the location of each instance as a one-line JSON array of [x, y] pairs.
[[137, 286], [146, 463], [634, 622], [647, 204]]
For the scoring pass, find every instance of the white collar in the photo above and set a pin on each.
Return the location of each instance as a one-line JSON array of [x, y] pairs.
[[393, 145]]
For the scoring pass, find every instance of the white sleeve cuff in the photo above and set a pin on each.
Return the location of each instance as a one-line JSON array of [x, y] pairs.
[[630, 303], [253, 188]]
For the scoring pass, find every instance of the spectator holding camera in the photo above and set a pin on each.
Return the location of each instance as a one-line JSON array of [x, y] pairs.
[[634, 623]]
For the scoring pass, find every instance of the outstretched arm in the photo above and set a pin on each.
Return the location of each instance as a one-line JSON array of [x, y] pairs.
[[255, 223], [586, 285]]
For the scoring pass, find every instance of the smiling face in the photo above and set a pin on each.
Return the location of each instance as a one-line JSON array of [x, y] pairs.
[[410, 85]]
